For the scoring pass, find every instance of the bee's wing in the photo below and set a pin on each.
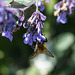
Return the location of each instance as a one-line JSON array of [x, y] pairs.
[[34, 55], [48, 53]]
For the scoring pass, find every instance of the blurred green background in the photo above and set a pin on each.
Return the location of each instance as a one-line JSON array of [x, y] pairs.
[[14, 56]]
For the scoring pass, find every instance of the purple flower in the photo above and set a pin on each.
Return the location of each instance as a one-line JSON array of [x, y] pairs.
[[40, 16], [62, 18], [7, 35], [10, 23], [25, 25], [71, 6], [28, 38], [58, 5], [34, 25], [2, 18], [7, 23], [35, 37], [41, 38], [9, 26], [41, 5], [64, 8]]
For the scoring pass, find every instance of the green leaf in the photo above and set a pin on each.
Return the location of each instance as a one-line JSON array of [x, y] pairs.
[[21, 2]]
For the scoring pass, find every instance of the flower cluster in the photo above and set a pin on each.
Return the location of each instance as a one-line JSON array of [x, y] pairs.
[[7, 22], [64, 8], [34, 25]]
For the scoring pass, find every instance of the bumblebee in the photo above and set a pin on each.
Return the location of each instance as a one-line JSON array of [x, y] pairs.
[[39, 49]]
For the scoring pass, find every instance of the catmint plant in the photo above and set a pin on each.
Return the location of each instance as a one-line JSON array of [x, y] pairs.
[[64, 8], [8, 24], [34, 24]]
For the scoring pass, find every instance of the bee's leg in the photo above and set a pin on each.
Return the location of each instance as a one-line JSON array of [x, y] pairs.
[[34, 55], [48, 53]]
